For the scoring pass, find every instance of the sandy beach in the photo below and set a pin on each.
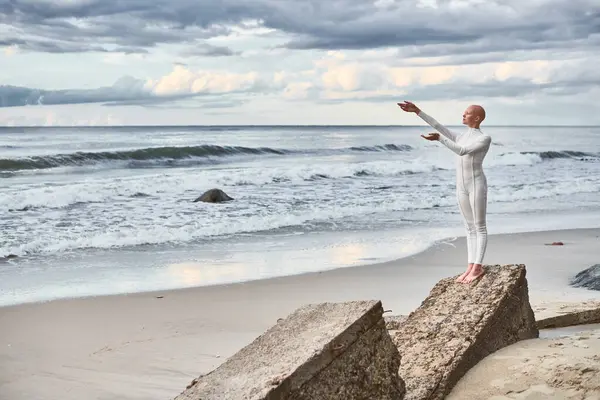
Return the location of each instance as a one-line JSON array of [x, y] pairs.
[[151, 345], [562, 364]]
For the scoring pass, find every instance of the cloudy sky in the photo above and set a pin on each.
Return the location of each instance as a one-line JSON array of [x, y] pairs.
[[148, 62]]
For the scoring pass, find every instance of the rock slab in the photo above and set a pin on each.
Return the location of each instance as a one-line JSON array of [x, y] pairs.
[[320, 351], [458, 325]]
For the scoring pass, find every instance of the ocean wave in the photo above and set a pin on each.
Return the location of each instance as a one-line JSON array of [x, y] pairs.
[[100, 190], [549, 155], [516, 192], [385, 147], [540, 156], [194, 223], [166, 156]]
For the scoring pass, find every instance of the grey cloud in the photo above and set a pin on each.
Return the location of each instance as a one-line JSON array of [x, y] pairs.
[[379, 37], [311, 24], [149, 100], [209, 50], [133, 24], [126, 91], [472, 30], [513, 87], [485, 50], [14, 96], [46, 46], [202, 103]]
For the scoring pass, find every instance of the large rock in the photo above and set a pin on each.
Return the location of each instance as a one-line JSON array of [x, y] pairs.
[[323, 351], [588, 278], [458, 325]]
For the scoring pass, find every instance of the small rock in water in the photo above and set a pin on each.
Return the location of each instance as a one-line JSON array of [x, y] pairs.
[[588, 278], [213, 196], [555, 244]]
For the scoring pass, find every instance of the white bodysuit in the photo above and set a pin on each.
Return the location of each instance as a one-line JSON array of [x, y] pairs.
[[471, 183]]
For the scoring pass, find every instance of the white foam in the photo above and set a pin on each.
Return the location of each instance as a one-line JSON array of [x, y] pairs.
[[508, 159], [284, 194], [195, 179], [548, 189]]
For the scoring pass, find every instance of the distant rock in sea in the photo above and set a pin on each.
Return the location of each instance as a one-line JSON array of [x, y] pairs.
[[213, 196]]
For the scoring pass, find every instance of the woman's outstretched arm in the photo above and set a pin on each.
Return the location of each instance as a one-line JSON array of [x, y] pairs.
[[481, 143], [437, 126], [411, 107]]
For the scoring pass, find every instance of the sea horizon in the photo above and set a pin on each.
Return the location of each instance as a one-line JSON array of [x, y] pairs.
[[301, 125]]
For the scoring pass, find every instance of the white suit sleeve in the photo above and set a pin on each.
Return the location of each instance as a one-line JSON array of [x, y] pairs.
[[480, 144], [437, 126]]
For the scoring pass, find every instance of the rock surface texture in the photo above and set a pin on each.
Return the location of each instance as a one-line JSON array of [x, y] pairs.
[[393, 322], [458, 325], [322, 351], [588, 278]]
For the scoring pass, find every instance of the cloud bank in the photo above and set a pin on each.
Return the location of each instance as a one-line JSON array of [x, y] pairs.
[[332, 79], [442, 26], [181, 83]]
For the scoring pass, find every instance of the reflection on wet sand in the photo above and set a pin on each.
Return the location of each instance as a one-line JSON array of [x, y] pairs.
[[347, 254], [199, 273], [353, 254]]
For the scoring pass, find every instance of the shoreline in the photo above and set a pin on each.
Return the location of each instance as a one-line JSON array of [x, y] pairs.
[[433, 247], [151, 345]]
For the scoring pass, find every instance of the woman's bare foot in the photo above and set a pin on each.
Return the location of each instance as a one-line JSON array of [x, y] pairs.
[[475, 273], [464, 275]]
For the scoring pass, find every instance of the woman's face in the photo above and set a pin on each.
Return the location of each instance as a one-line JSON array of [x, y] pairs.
[[470, 117]]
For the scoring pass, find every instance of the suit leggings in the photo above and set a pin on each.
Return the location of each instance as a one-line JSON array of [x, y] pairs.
[[472, 201]]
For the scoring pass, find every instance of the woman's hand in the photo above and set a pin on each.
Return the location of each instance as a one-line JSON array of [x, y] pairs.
[[431, 136], [409, 107]]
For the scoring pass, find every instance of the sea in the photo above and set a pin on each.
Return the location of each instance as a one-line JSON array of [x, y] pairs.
[[105, 210]]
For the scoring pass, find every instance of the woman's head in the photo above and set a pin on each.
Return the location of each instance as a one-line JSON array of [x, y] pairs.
[[473, 116]]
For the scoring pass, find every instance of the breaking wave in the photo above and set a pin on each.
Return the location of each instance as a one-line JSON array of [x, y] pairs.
[[166, 156]]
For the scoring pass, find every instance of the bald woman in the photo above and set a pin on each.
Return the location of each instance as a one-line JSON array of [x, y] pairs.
[[471, 183]]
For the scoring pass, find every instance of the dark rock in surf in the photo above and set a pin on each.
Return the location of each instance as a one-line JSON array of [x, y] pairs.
[[8, 257], [213, 196], [26, 208], [588, 278]]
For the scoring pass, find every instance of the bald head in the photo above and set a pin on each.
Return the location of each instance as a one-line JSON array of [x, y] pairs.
[[473, 116]]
